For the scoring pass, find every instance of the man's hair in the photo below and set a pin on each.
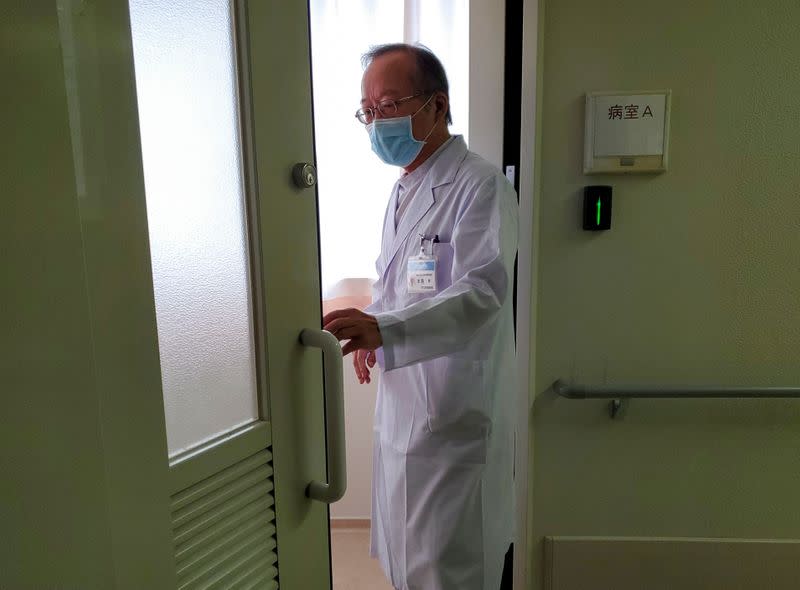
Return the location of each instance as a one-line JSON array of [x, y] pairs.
[[429, 77]]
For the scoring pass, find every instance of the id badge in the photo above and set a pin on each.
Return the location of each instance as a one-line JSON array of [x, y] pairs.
[[421, 271]]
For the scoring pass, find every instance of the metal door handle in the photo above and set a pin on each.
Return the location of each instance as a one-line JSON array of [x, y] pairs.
[[334, 489]]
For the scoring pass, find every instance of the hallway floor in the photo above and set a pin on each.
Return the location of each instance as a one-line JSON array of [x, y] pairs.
[[353, 568]]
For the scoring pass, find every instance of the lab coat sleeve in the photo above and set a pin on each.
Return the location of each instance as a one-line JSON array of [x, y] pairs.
[[484, 241], [375, 306], [372, 309]]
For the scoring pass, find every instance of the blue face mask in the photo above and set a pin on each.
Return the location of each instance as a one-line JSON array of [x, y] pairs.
[[393, 140]]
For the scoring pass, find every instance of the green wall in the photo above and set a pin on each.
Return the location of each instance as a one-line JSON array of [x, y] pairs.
[[697, 282], [52, 500], [83, 468]]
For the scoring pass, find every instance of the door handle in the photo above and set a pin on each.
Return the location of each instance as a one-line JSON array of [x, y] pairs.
[[334, 489]]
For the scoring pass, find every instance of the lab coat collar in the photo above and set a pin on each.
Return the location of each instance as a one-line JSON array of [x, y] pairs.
[[442, 172], [446, 166]]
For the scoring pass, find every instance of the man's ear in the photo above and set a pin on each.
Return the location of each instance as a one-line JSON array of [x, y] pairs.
[[441, 103]]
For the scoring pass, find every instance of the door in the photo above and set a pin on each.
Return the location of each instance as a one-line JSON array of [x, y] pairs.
[[239, 502], [213, 496]]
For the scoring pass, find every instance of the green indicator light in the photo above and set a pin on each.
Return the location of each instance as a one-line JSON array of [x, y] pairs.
[[598, 210]]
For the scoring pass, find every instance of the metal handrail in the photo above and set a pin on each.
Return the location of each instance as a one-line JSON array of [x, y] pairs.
[[575, 391]]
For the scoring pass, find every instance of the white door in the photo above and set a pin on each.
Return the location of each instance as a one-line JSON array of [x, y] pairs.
[[102, 491]]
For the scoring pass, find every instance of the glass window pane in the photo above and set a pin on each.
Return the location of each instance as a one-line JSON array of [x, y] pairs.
[[188, 116]]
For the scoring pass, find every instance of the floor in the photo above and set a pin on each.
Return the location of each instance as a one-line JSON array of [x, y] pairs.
[[353, 568]]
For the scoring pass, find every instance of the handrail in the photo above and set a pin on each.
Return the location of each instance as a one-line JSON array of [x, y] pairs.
[[576, 391]]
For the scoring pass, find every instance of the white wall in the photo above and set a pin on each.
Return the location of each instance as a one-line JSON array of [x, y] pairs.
[[359, 408], [486, 72]]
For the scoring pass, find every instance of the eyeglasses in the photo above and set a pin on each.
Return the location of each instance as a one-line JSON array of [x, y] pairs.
[[385, 108]]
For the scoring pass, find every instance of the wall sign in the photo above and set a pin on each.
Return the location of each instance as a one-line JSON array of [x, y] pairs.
[[626, 132]]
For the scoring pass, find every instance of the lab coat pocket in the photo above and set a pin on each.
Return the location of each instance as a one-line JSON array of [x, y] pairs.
[[456, 398], [444, 265]]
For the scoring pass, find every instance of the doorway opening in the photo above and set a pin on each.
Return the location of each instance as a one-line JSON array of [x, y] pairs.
[[354, 187]]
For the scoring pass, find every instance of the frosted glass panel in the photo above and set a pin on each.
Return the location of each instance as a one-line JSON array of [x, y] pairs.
[[188, 116]]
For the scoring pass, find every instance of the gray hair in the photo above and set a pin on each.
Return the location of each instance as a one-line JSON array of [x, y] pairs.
[[430, 76]]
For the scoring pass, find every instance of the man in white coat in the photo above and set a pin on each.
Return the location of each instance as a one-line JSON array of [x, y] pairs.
[[441, 328]]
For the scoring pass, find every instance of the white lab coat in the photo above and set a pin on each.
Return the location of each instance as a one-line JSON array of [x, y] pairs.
[[442, 501]]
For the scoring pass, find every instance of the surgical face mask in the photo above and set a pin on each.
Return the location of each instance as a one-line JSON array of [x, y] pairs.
[[393, 140]]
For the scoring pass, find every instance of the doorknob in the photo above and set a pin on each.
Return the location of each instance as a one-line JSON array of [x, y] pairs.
[[304, 174], [336, 485]]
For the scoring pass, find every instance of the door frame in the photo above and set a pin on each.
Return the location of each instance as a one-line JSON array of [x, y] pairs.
[[529, 196], [488, 103]]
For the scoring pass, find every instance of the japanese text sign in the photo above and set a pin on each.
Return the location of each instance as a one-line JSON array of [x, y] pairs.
[[628, 125]]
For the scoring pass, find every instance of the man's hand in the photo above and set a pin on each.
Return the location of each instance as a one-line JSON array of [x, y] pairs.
[[359, 328], [363, 361]]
